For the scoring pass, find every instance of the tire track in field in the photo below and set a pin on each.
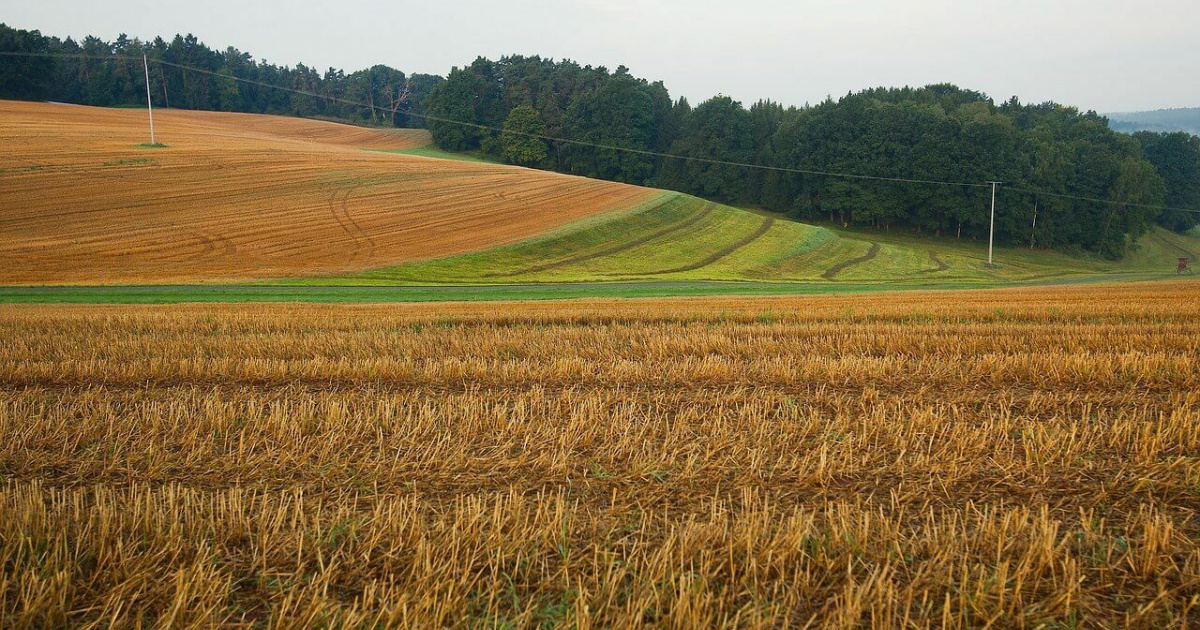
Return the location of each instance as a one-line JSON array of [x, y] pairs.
[[833, 271], [358, 229], [333, 212], [941, 264], [339, 209], [616, 249], [210, 242], [766, 226], [1173, 246]]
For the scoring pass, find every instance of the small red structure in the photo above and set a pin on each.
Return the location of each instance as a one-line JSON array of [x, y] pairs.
[[1183, 266]]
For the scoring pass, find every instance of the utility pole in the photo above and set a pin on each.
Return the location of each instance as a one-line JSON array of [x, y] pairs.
[[992, 233], [149, 107]]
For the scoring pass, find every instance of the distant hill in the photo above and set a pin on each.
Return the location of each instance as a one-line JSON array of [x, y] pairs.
[[1162, 120]]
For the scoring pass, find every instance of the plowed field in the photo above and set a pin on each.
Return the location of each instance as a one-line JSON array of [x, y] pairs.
[[237, 197]]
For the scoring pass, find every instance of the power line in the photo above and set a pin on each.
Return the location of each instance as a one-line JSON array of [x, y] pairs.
[[1030, 191], [595, 145], [717, 162]]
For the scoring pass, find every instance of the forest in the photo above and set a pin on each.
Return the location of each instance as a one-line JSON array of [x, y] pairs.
[[107, 74], [1055, 161]]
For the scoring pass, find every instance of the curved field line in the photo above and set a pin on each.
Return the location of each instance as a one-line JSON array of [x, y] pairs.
[[833, 271], [333, 212], [766, 226], [210, 242], [350, 217], [941, 264], [339, 209], [361, 234], [1177, 248], [616, 249]]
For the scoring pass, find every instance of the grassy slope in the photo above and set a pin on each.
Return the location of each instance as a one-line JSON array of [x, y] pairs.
[[678, 238], [431, 151]]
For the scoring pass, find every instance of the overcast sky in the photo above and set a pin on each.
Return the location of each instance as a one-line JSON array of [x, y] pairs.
[[1108, 55]]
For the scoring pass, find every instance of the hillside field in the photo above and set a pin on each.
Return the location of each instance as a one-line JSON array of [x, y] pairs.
[[239, 199], [1015, 458], [679, 238], [236, 197]]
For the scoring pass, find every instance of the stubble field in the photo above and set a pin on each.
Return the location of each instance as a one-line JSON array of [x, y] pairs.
[[1005, 459], [243, 197]]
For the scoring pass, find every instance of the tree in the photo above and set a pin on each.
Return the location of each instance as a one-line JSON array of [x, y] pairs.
[[451, 102], [1176, 157], [25, 77], [520, 142], [620, 113], [718, 129], [465, 105], [228, 95], [1137, 188]]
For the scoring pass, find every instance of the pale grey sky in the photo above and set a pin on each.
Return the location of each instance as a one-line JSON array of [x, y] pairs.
[[1108, 55]]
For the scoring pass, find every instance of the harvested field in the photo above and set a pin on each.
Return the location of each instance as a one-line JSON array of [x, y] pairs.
[[237, 196], [1006, 459]]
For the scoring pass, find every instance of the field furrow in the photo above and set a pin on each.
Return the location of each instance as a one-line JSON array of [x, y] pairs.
[[237, 197]]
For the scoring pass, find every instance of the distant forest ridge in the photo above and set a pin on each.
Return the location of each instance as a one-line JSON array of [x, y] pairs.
[[1185, 119], [506, 108]]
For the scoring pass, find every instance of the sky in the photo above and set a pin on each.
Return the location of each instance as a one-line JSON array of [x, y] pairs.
[[1104, 55]]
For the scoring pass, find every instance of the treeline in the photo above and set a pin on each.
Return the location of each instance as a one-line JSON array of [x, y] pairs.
[[101, 73], [512, 107], [939, 132]]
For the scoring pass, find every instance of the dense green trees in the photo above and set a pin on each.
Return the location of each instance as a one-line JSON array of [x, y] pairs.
[[721, 130], [945, 134], [940, 132], [25, 78], [521, 143], [619, 113], [618, 127], [96, 72], [1176, 156]]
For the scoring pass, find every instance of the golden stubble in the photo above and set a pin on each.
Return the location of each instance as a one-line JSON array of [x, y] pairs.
[[1003, 459]]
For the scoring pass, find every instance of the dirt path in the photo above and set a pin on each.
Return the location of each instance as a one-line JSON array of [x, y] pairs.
[[766, 226], [833, 271], [616, 249]]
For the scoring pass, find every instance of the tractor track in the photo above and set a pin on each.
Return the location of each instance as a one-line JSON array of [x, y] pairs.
[[766, 226], [941, 264], [339, 209], [1173, 246], [616, 249], [833, 271]]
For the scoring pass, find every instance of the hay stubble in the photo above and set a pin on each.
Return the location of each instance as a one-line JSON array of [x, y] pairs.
[[1015, 458]]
